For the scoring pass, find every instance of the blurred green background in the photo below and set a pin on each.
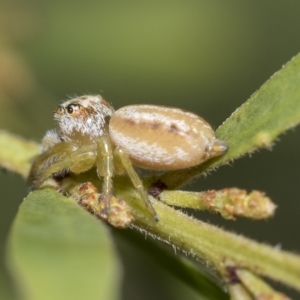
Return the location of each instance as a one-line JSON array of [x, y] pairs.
[[203, 56]]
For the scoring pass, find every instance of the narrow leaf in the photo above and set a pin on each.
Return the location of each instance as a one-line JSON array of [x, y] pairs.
[[269, 112]]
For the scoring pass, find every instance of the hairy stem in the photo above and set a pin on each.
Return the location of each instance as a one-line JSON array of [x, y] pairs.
[[215, 247]]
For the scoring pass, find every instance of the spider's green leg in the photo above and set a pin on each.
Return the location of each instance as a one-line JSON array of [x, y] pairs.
[[105, 169], [76, 162], [83, 159], [122, 155], [45, 159]]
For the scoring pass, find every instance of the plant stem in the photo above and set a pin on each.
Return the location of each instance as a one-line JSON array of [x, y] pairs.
[[215, 247]]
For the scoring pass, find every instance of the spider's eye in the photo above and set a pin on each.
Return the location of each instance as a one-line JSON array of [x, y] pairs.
[[60, 109], [72, 108]]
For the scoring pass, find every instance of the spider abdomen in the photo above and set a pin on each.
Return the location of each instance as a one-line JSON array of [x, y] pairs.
[[163, 138]]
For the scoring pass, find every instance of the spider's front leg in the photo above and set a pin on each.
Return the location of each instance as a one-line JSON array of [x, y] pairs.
[[77, 162], [105, 169], [43, 161]]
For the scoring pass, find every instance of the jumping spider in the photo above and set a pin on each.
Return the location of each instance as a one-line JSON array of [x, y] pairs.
[[92, 134]]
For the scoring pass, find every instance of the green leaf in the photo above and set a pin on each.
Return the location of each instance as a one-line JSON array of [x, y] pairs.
[[56, 250], [269, 112]]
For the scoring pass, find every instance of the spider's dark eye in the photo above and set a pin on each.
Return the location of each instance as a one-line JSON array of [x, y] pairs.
[[72, 108]]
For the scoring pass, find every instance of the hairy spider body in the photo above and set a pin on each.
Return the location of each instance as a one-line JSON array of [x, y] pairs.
[[153, 137]]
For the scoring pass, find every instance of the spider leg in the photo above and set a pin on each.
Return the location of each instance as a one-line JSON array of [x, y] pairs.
[[122, 155], [76, 162], [105, 169], [83, 159], [45, 159]]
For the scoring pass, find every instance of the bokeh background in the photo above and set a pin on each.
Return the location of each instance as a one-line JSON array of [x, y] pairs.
[[203, 56]]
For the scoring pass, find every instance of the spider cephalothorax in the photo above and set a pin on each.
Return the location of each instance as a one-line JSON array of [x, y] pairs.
[[153, 137], [85, 117]]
